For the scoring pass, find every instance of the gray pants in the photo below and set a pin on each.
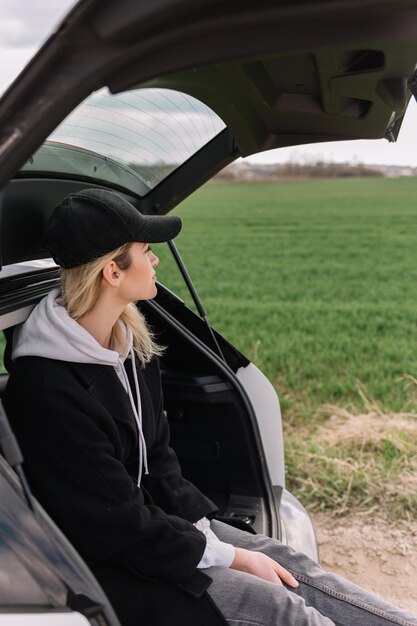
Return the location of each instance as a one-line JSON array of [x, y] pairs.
[[322, 598]]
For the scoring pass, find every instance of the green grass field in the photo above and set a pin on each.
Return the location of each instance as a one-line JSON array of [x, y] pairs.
[[315, 281]]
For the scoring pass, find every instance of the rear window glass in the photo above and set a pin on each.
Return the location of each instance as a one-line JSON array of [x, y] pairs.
[[135, 138]]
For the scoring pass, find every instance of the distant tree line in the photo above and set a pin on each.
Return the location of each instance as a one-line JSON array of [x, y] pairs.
[[290, 169]]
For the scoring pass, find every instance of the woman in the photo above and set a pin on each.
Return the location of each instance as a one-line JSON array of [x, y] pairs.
[[85, 400]]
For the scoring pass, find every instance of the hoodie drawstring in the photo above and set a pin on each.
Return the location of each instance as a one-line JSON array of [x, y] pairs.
[[137, 412]]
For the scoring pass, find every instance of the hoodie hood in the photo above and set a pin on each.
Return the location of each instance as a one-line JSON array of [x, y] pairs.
[[50, 332]]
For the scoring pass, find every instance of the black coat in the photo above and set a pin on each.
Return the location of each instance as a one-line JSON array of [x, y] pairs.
[[77, 431]]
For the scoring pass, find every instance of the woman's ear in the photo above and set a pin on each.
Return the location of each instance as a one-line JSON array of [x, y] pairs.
[[111, 274]]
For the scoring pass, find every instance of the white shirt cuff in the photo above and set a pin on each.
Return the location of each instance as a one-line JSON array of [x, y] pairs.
[[217, 553]]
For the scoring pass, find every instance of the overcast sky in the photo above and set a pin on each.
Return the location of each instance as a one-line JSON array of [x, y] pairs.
[[25, 24]]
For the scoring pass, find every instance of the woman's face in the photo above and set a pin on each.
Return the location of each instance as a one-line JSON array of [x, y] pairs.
[[138, 282]]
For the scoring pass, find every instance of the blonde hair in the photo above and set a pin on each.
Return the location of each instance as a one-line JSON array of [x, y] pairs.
[[80, 288]]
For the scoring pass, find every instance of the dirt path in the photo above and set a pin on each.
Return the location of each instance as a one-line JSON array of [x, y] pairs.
[[371, 553]]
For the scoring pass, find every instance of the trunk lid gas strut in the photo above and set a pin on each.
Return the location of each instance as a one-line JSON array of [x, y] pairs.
[[195, 296]]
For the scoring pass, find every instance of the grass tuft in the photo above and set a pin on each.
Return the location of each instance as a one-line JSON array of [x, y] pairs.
[[345, 460]]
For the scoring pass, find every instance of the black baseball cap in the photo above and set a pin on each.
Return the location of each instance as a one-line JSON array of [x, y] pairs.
[[92, 222]]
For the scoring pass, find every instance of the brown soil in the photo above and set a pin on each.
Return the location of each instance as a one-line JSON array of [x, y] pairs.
[[370, 552]]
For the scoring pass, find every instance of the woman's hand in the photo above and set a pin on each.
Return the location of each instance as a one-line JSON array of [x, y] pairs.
[[263, 566]]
